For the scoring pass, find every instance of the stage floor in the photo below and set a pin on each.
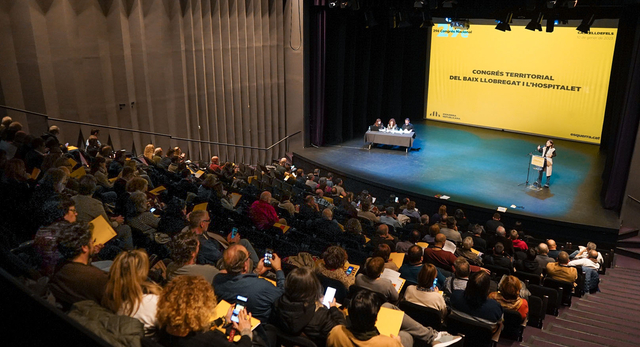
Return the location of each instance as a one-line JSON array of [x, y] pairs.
[[481, 167]]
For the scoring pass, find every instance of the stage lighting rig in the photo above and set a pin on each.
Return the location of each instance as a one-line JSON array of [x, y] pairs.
[[503, 25], [535, 24], [586, 24], [333, 4], [550, 25]]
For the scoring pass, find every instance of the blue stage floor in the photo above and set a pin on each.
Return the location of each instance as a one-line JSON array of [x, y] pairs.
[[481, 167]]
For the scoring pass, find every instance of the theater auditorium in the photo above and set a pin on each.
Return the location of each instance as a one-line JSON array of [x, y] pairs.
[[319, 173]]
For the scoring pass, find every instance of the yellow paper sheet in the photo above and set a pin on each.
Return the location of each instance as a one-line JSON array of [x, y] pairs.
[[202, 206], [367, 239], [475, 251], [199, 173], [389, 321], [157, 190], [71, 148], [113, 179], [102, 230], [330, 200], [422, 244], [78, 173], [72, 162], [282, 227], [397, 258], [35, 173]]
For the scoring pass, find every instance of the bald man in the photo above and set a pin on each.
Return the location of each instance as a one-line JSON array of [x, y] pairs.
[[591, 261], [238, 280], [263, 213], [553, 252], [215, 164], [561, 270]]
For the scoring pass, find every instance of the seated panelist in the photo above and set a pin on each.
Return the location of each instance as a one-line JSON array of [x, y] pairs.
[[392, 124], [377, 125], [407, 125]]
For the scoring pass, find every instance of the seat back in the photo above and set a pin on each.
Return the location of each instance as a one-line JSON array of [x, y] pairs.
[[478, 332], [553, 298], [537, 310], [426, 316], [288, 340], [497, 271], [513, 328], [532, 278], [565, 289]]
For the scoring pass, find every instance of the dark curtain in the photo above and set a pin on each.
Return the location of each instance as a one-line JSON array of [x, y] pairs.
[[369, 73], [623, 110]]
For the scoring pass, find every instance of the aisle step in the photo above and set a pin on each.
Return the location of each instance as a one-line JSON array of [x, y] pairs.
[[588, 336]]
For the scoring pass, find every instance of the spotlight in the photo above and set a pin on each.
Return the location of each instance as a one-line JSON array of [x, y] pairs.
[[418, 4], [333, 4], [504, 25], [535, 24], [586, 24], [550, 25], [344, 4]]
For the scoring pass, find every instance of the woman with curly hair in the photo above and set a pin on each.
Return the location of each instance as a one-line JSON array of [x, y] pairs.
[[186, 310], [332, 266], [129, 292]]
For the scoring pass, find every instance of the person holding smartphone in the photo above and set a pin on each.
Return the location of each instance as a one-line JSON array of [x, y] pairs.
[[300, 309], [239, 280], [186, 313]]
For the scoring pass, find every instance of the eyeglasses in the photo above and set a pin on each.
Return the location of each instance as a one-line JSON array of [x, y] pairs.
[[73, 210], [207, 221]]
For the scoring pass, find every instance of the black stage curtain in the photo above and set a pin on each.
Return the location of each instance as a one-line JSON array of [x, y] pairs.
[[623, 110], [358, 74]]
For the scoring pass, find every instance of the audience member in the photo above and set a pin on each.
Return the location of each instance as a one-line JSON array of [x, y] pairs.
[[425, 293], [262, 212], [333, 265], [403, 246], [186, 311], [518, 245], [561, 271], [371, 280], [474, 299], [435, 255], [499, 257], [459, 279], [411, 210], [465, 251], [530, 264], [184, 252], [583, 252], [382, 236], [129, 292], [300, 311], [239, 281], [508, 296], [384, 251], [591, 261], [366, 213], [45, 243], [492, 224], [543, 258], [553, 249], [389, 218], [451, 231]]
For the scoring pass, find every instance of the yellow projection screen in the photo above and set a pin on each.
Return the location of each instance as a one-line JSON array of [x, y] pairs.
[[551, 84]]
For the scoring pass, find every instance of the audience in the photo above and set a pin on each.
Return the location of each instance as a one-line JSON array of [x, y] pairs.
[[474, 299], [371, 280], [332, 266], [185, 248], [459, 279], [465, 251], [561, 270], [426, 293], [508, 296]]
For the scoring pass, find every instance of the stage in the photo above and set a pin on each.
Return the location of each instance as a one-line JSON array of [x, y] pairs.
[[479, 167]]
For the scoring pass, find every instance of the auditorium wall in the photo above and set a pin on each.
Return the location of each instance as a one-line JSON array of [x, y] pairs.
[[223, 71]]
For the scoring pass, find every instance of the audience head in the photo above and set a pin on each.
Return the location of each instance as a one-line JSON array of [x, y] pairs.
[[434, 230], [440, 239], [411, 206], [184, 248], [374, 267], [128, 282], [319, 192], [563, 258], [382, 230], [137, 184], [514, 234], [477, 289], [14, 169], [510, 287], [414, 236], [383, 251], [199, 220], [236, 259], [461, 266], [302, 285], [551, 244], [363, 311], [389, 211], [365, 205], [127, 173], [451, 222], [327, 214], [477, 229], [139, 200], [334, 257], [496, 216], [500, 231], [531, 254], [187, 304], [459, 214], [424, 219], [442, 210], [591, 245], [593, 254], [74, 240], [353, 226], [106, 151], [87, 185], [427, 275], [543, 249], [498, 249], [265, 196], [414, 254], [467, 243]]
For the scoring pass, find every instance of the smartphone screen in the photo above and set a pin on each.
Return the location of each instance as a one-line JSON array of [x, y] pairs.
[[349, 270], [241, 302], [396, 199], [328, 296], [152, 210], [268, 255], [435, 281], [373, 200], [234, 232]]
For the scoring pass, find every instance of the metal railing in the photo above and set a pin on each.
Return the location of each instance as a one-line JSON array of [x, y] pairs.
[[632, 198], [154, 133]]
